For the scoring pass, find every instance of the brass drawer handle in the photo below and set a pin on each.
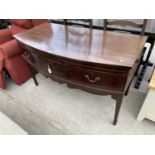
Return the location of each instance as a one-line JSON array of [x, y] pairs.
[[92, 81], [49, 69]]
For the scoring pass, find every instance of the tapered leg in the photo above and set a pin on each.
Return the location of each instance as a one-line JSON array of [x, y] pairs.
[[35, 80], [33, 72], [127, 91], [117, 109]]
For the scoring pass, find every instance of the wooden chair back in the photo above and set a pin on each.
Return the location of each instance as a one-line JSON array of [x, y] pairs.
[[124, 23], [89, 21]]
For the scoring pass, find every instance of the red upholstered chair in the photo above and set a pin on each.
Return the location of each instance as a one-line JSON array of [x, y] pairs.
[[12, 60], [19, 25], [11, 55], [36, 22], [4, 37], [2, 79]]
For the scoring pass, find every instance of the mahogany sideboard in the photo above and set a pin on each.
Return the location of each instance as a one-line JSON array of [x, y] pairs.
[[96, 61], [149, 31]]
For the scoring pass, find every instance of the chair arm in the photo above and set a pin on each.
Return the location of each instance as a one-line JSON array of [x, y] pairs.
[[10, 49], [23, 23], [36, 22], [16, 29], [5, 35]]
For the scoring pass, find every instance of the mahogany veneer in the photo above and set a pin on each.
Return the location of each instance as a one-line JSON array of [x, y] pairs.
[[96, 61]]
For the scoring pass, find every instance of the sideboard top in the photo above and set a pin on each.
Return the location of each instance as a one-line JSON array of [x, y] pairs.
[[97, 46]]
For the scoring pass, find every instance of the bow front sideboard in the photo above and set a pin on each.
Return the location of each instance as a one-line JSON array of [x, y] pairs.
[[96, 61]]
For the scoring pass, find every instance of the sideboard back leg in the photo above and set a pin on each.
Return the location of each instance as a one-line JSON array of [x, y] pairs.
[[33, 72], [117, 109], [35, 80]]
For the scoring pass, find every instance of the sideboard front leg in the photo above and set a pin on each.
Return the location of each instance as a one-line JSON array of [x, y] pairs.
[[119, 99]]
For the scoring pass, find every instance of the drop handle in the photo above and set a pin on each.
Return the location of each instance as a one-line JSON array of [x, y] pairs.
[[49, 69], [92, 81]]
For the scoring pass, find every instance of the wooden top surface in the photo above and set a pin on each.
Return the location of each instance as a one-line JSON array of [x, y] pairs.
[[105, 47], [152, 82]]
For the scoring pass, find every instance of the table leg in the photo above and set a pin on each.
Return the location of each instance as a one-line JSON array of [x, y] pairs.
[[35, 80], [141, 61], [119, 100], [127, 91], [33, 72]]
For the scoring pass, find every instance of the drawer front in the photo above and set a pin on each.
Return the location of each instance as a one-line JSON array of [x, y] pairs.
[[31, 57], [96, 78], [52, 67], [47, 66]]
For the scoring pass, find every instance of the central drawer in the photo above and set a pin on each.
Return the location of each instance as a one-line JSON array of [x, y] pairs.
[[95, 78]]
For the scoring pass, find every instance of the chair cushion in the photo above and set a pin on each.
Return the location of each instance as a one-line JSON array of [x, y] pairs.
[[36, 22], [16, 29], [18, 69], [24, 23], [10, 49], [5, 35]]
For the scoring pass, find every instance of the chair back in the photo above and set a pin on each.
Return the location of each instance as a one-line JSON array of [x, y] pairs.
[[77, 22], [124, 23]]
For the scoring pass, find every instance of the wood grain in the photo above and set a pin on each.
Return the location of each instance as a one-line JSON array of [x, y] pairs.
[[100, 62], [85, 44]]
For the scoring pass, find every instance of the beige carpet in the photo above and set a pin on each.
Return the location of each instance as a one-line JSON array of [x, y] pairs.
[[8, 127], [52, 108]]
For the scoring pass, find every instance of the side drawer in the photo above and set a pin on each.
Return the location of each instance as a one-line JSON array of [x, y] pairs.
[[31, 57], [45, 64], [52, 67], [96, 78]]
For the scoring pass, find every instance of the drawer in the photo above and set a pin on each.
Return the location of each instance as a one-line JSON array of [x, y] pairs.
[[48, 66], [95, 78], [52, 67], [31, 57]]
